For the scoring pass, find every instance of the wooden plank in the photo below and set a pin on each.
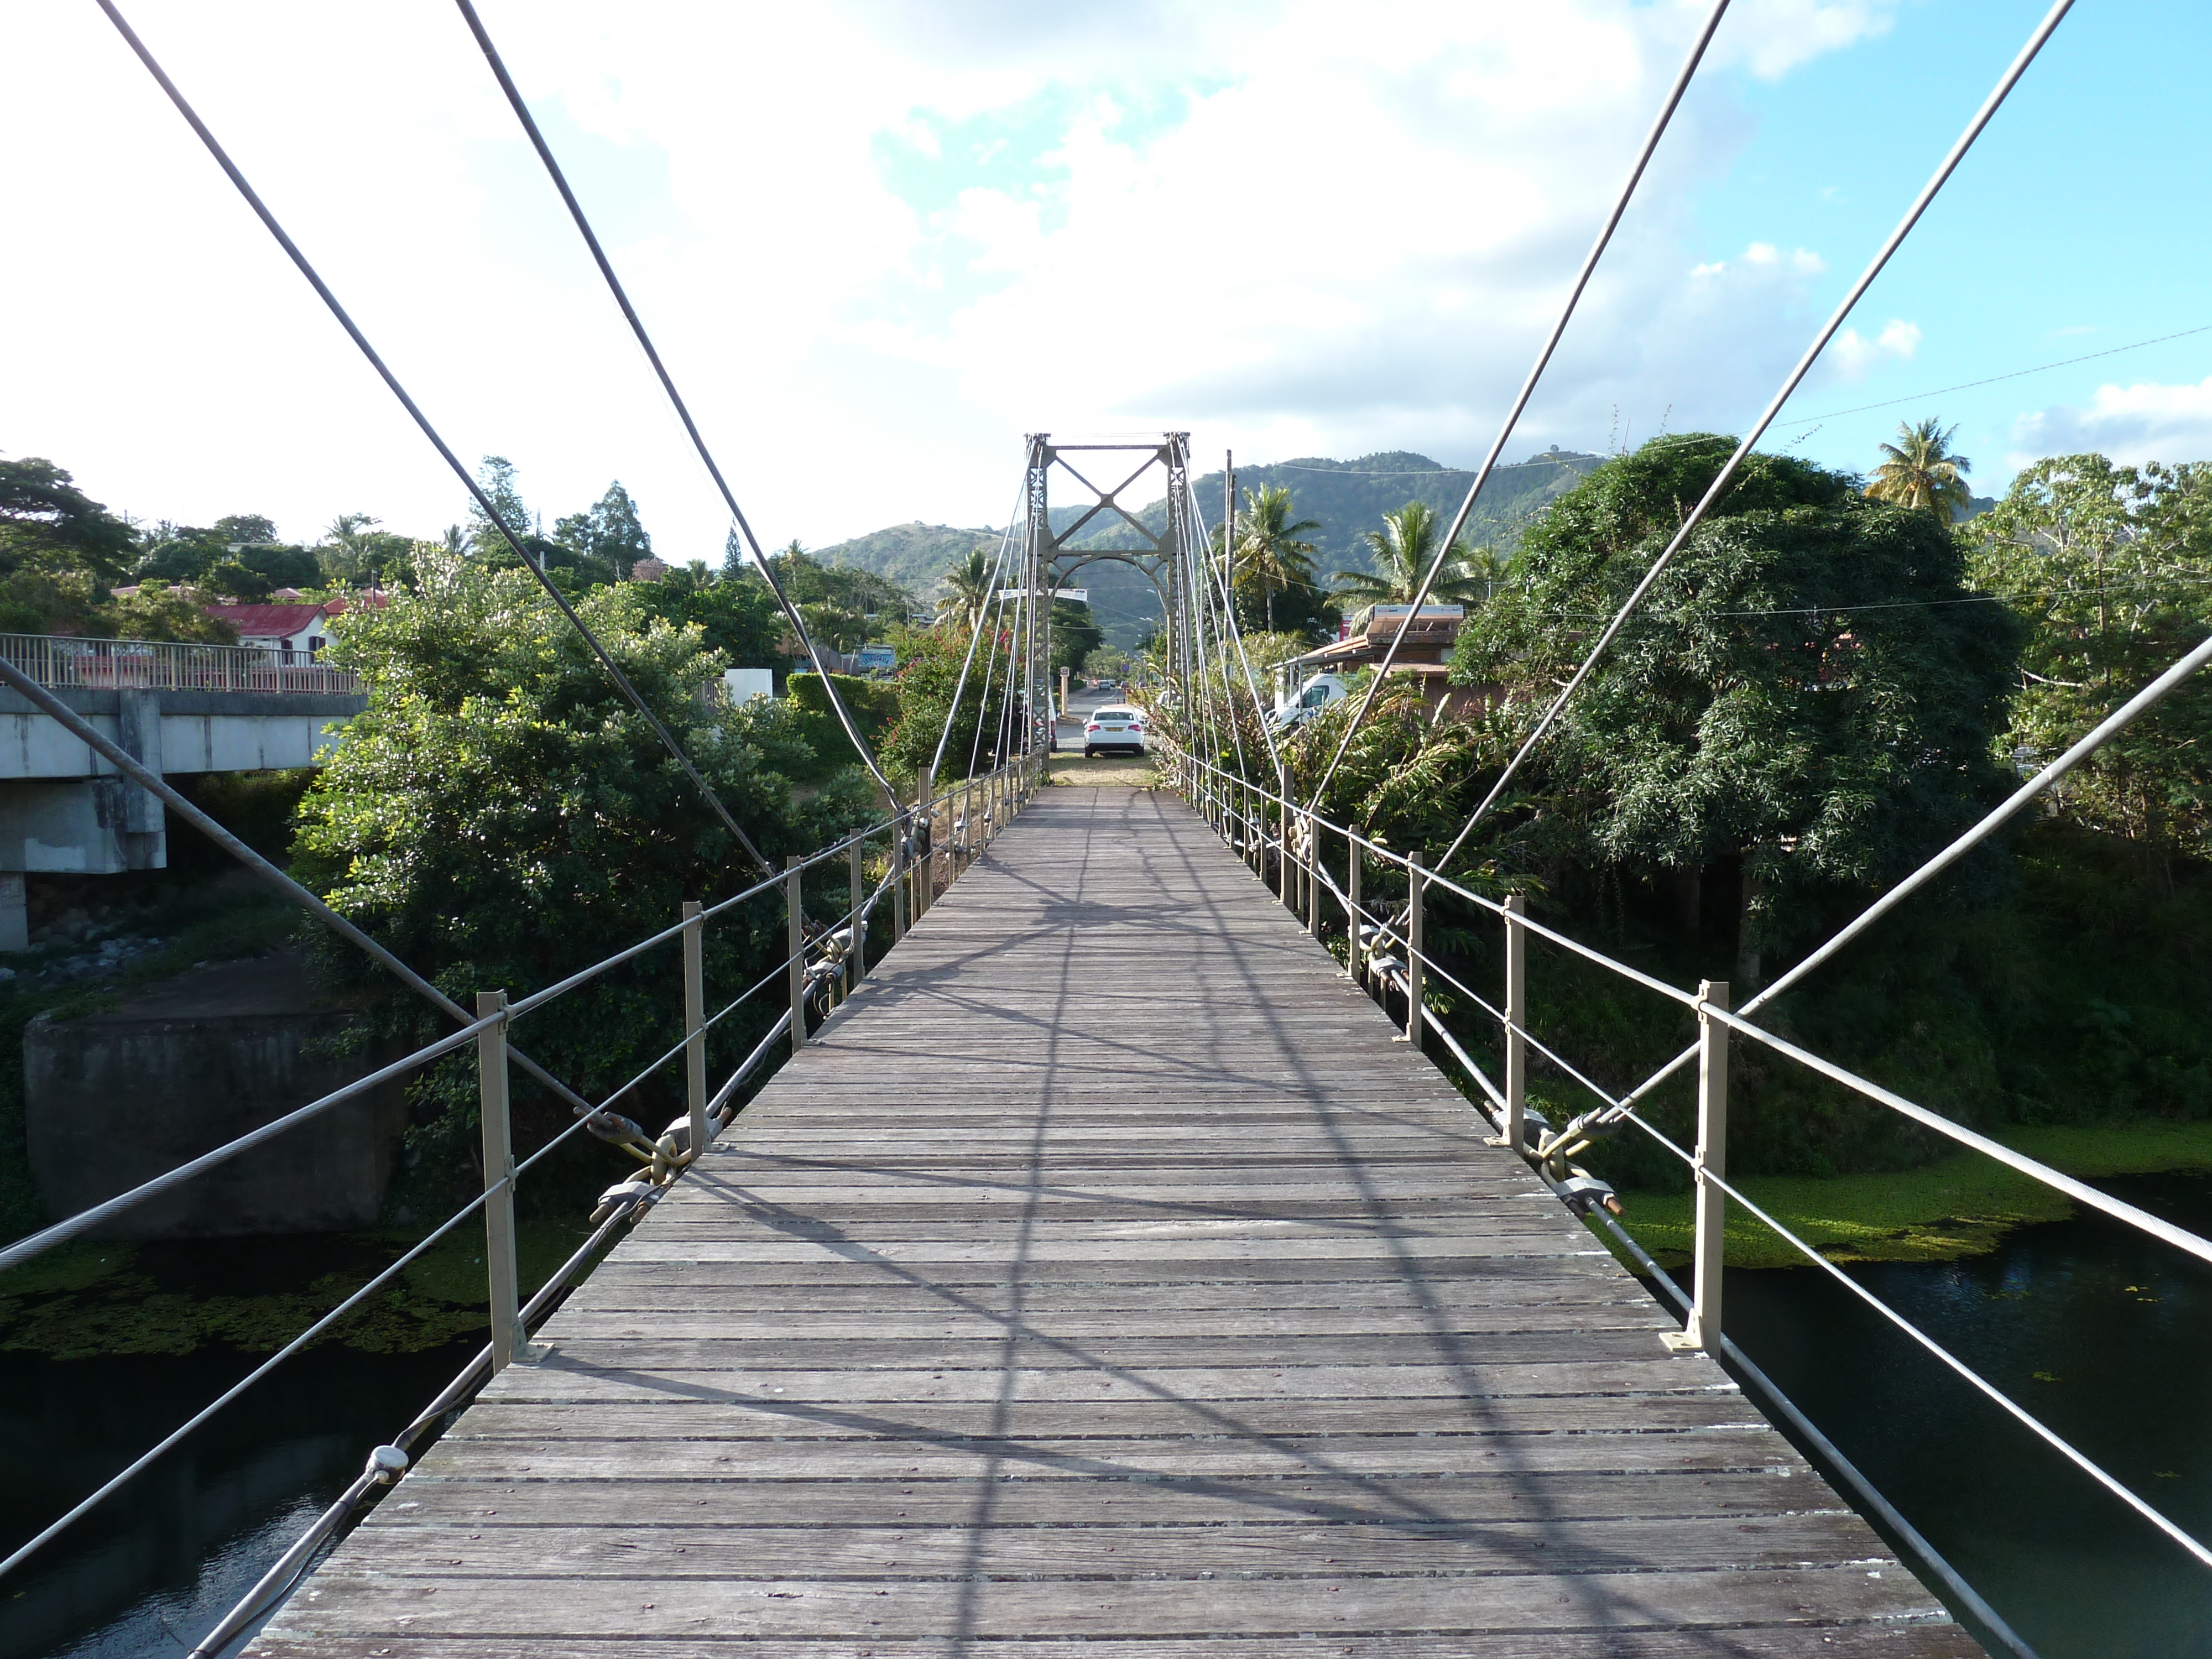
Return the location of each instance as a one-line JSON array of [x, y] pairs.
[[1107, 1280]]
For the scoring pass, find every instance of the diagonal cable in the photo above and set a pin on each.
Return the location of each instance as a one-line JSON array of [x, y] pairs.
[[1528, 388], [1727, 474], [668, 385], [422, 421]]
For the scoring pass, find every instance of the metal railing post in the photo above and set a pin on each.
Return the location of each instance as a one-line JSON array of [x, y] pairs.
[[902, 833], [695, 1022], [1283, 847], [860, 923], [795, 942], [925, 881], [1414, 884], [1704, 1328], [502, 1281], [1353, 967], [1313, 875], [1517, 1020]]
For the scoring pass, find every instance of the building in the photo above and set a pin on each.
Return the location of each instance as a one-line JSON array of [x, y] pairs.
[[294, 632], [1424, 656]]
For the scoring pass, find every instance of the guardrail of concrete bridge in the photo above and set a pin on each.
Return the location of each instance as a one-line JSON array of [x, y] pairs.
[[922, 851], [68, 663], [1384, 951]]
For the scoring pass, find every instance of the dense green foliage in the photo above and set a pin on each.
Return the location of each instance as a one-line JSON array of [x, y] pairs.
[[1801, 708], [500, 816], [988, 716], [2110, 568]]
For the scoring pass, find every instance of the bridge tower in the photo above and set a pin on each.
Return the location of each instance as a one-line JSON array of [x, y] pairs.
[[1054, 557]]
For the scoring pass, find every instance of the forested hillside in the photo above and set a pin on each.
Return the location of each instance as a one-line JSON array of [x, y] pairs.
[[1348, 498]]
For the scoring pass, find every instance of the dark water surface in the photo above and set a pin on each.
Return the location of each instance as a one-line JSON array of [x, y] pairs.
[[2120, 1328], [2105, 1335], [153, 1569]]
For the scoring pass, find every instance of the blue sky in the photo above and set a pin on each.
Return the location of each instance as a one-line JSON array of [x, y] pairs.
[[880, 243]]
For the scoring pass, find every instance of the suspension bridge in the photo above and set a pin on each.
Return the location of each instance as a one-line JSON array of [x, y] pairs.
[[1128, 1259], [1107, 1269]]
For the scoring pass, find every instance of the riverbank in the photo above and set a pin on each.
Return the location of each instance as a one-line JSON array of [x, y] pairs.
[[1957, 1207], [93, 1298]]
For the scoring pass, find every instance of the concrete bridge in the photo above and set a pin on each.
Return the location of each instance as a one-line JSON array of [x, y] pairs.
[[178, 709]]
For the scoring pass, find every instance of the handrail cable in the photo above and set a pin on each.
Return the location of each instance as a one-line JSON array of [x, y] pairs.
[[2020, 1413], [484, 502], [24, 1248], [1726, 476], [2109, 727], [136, 770], [1674, 93], [1621, 1106], [668, 385], [61, 1232], [1617, 1108]]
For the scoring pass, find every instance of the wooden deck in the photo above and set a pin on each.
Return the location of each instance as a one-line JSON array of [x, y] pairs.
[[1108, 1284]]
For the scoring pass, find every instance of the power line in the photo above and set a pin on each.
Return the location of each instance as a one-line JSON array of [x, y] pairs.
[[1975, 126], [422, 421], [668, 385], [1968, 385]]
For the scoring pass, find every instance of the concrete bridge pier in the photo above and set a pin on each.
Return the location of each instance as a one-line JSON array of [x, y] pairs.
[[63, 809]]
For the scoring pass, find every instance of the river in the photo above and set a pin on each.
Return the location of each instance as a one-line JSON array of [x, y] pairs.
[[2105, 1335]]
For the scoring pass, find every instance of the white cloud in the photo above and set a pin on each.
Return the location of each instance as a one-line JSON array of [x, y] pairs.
[[2145, 422], [1770, 37], [1853, 354], [876, 244]]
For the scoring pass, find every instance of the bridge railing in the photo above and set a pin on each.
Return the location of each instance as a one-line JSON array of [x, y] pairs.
[[1386, 953], [68, 663], [926, 846]]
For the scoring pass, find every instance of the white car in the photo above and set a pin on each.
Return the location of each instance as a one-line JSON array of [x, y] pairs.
[[1114, 730]]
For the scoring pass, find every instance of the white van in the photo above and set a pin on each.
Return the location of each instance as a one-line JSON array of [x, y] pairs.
[[1316, 695]]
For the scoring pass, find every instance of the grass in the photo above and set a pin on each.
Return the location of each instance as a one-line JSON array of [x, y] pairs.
[[1956, 1207], [1110, 771]]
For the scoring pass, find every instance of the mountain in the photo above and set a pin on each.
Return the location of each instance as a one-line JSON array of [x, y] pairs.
[[912, 554], [1348, 498]]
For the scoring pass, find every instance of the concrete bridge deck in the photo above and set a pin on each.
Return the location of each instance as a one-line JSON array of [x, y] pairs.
[[1108, 1282]]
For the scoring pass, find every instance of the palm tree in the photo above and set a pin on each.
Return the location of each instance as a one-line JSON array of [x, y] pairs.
[[1922, 471], [968, 587], [1403, 548], [1269, 558]]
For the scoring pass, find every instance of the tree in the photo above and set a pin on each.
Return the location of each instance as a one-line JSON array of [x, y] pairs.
[[353, 549], [969, 586], [499, 815], [2110, 570], [608, 541], [1922, 471], [47, 523], [243, 530], [1803, 704], [1269, 558], [1403, 548]]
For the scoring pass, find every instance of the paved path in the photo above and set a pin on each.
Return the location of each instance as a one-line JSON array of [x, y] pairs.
[[1108, 1284]]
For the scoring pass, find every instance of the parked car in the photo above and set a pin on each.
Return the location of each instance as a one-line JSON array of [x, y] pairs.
[[1316, 695], [1114, 731]]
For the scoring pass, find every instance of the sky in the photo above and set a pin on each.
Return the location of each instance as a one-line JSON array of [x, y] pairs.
[[877, 243]]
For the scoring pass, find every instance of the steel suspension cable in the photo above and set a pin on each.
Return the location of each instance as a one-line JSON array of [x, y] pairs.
[[975, 635], [1221, 585], [668, 385], [1957, 153], [1681, 85], [484, 502]]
